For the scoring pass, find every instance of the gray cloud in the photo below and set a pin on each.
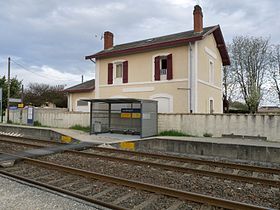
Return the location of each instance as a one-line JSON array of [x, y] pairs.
[[58, 34]]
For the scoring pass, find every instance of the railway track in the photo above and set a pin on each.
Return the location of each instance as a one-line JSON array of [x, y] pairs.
[[112, 192], [175, 163], [172, 163]]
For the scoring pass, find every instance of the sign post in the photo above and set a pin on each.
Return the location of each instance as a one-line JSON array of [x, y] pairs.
[[1, 94]]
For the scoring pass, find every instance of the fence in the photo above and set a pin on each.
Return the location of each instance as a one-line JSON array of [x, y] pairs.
[[218, 124], [195, 124], [59, 118]]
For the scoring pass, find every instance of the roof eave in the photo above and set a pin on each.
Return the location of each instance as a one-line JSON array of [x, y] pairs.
[[221, 45], [79, 90], [145, 48]]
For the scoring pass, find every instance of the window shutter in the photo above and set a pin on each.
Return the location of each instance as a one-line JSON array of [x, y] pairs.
[[125, 72], [157, 68], [169, 67], [110, 73]]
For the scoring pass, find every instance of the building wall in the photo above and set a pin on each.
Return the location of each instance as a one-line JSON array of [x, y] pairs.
[[74, 97], [140, 65], [207, 51], [176, 92]]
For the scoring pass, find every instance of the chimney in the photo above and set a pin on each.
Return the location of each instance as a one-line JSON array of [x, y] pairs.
[[108, 40], [197, 19]]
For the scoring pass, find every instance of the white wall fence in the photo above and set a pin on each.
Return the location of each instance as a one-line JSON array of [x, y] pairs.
[[195, 124], [218, 124], [59, 118]]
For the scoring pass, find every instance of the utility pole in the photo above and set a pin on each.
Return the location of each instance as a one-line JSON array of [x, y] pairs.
[[82, 78], [21, 108], [9, 87]]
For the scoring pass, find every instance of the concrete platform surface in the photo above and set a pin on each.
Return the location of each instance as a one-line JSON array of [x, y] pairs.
[[100, 138]]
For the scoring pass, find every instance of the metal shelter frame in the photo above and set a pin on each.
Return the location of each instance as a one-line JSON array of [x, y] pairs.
[[136, 116]]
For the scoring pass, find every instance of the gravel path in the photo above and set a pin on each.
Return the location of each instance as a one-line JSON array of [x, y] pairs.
[[15, 196]]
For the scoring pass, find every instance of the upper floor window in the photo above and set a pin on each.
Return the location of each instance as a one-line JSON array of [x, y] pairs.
[[118, 72], [163, 67], [211, 71]]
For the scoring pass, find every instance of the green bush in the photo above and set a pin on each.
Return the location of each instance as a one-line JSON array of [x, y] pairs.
[[207, 134], [80, 128], [173, 133], [37, 123]]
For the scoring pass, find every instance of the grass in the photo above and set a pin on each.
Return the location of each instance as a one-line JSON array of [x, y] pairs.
[[174, 133], [80, 128], [207, 134]]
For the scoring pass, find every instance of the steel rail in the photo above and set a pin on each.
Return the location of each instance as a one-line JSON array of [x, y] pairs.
[[29, 139], [170, 157], [192, 160], [169, 167], [21, 143], [67, 192], [183, 195], [182, 169]]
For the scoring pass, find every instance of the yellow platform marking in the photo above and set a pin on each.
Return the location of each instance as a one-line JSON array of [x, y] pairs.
[[66, 139], [127, 145]]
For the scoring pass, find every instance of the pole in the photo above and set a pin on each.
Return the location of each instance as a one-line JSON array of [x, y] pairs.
[[82, 78], [9, 86], [21, 109]]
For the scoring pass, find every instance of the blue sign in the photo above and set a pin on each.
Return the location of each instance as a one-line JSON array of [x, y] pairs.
[[129, 110], [30, 115]]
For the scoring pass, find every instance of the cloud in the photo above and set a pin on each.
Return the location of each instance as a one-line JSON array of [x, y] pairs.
[[56, 35]]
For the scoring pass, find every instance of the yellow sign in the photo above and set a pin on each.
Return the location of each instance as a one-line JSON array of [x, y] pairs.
[[127, 145], [136, 115], [20, 105], [66, 139], [125, 115]]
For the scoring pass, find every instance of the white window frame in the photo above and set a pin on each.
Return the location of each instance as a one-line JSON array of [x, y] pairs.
[[119, 80], [164, 54], [162, 71], [211, 71]]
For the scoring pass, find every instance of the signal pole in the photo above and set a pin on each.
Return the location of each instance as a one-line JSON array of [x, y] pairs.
[[9, 86]]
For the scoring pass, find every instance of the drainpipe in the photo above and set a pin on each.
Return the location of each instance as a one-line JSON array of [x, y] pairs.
[[191, 78]]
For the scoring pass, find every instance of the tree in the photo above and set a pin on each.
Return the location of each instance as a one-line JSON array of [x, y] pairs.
[[274, 70], [229, 87], [249, 60], [15, 90], [39, 94]]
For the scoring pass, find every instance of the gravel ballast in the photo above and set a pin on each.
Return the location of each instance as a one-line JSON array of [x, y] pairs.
[[14, 196], [233, 190]]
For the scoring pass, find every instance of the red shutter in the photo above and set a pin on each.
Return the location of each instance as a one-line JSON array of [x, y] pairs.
[[125, 72], [110, 73], [157, 68], [169, 67]]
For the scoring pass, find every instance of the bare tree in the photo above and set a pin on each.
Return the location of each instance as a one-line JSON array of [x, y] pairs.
[[274, 70], [249, 60], [39, 94]]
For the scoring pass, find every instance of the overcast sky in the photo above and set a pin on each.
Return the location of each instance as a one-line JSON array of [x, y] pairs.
[[47, 40]]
